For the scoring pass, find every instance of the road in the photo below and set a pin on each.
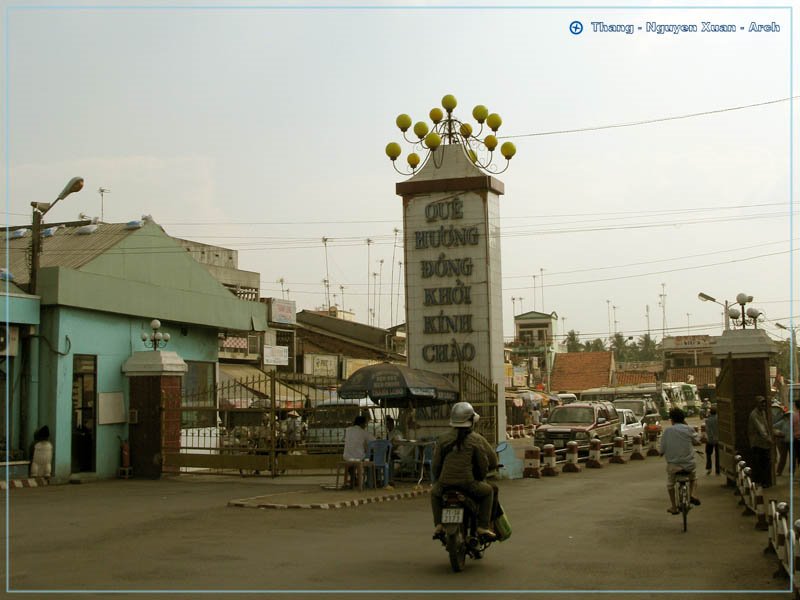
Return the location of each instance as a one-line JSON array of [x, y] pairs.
[[603, 529]]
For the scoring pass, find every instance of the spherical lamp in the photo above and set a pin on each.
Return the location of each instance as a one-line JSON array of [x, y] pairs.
[[449, 103], [508, 150], [479, 113], [494, 121], [421, 129], [393, 150], [490, 142], [403, 122]]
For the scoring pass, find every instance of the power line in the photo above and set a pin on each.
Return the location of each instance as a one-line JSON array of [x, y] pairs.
[[650, 121]]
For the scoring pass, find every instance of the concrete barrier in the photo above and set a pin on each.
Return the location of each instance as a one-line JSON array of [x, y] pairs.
[[549, 469], [533, 463], [572, 465], [761, 515], [593, 462], [636, 452], [618, 457]]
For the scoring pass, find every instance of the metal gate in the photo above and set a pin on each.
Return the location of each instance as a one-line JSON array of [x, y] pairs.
[[478, 389], [287, 423]]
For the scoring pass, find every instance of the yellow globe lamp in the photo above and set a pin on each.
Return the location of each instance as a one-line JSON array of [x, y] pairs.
[[436, 114], [479, 113], [413, 160], [433, 140], [472, 155], [421, 129], [449, 103], [393, 150], [466, 129], [403, 122], [490, 142], [508, 150], [494, 121]]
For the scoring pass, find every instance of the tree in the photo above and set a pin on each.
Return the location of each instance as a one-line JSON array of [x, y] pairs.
[[596, 345], [573, 343], [619, 345], [646, 349]]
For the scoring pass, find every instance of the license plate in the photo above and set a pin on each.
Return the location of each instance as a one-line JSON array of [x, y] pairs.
[[452, 515]]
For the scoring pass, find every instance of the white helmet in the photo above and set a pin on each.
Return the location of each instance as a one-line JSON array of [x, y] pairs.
[[463, 415]]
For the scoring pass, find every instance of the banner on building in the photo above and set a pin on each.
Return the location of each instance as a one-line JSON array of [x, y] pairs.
[[276, 355], [321, 365]]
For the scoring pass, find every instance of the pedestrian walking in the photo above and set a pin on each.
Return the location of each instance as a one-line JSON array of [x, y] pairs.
[[780, 429], [712, 440], [760, 437]]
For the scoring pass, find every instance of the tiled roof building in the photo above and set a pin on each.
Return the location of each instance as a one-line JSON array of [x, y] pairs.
[[578, 371]]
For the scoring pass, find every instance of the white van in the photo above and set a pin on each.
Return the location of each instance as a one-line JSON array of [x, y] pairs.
[[329, 418], [567, 398]]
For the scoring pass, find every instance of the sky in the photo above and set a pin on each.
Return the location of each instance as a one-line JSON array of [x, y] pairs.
[[263, 129]]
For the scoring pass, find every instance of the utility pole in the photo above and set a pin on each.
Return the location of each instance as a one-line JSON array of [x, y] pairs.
[[647, 314], [374, 296], [391, 286], [541, 284], [399, 287], [327, 274], [102, 191], [341, 289], [615, 319], [608, 304], [380, 290], [369, 265], [534, 292], [513, 306], [663, 303]]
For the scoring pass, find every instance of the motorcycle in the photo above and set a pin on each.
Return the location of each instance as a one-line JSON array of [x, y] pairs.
[[460, 521], [460, 537]]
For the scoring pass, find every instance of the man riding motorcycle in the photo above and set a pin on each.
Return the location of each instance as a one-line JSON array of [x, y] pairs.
[[461, 460]]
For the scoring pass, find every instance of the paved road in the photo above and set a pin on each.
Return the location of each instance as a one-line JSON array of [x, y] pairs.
[[598, 530]]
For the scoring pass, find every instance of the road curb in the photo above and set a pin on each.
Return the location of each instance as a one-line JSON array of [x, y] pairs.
[[29, 482], [255, 503]]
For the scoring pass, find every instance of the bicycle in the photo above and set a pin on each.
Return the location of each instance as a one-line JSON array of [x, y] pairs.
[[682, 497]]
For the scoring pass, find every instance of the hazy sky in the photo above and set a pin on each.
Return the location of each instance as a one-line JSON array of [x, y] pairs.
[[263, 130]]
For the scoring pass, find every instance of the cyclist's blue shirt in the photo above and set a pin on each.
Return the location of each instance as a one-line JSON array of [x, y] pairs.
[[677, 445]]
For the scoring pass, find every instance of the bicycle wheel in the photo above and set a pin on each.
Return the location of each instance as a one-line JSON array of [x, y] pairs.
[[684, 502]]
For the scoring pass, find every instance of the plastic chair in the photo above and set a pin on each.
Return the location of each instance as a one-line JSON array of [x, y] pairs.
[[380, 454], [426, 459]]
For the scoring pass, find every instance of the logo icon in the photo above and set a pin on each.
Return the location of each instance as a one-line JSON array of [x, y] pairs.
[[576, 28]]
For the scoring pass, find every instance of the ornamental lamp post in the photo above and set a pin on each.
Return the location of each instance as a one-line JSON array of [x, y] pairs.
[[450, 130], [745, 315], [40, 209], [156, 339]]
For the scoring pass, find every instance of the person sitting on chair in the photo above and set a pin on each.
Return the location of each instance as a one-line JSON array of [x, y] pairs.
[[356, 438], [461, 460]]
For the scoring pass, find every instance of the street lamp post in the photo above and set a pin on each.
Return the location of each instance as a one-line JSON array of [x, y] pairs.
[[40, 209], [793, 363], [707, 298]]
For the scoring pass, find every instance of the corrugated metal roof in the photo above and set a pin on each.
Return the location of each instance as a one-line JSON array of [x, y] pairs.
[[257, 380], [65, 248]]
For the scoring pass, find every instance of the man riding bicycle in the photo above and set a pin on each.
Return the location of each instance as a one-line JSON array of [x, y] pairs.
[[677, 448]]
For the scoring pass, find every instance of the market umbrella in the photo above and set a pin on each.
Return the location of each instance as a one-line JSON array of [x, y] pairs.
[[393, 386]]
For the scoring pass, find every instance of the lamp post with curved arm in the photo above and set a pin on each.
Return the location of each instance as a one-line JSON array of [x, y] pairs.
[[40, 209], [726, 305]]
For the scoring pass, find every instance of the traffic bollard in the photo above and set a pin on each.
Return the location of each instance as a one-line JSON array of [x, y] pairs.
[[532, 463], [619, 449], [652, 443], [593, 461], [549, 469], [636, 453], [572, 465]]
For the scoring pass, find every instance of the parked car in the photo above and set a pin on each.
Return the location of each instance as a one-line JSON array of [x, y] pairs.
[[629, 425], [579, 422], [645, 409]]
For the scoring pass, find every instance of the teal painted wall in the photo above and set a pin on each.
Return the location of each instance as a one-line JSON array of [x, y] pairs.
[[112, 339]]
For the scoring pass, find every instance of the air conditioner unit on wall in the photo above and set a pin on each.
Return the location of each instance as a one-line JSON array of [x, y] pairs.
[[9, 341]]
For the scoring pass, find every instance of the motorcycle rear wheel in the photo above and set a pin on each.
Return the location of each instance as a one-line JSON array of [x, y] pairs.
[[457, 549]]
